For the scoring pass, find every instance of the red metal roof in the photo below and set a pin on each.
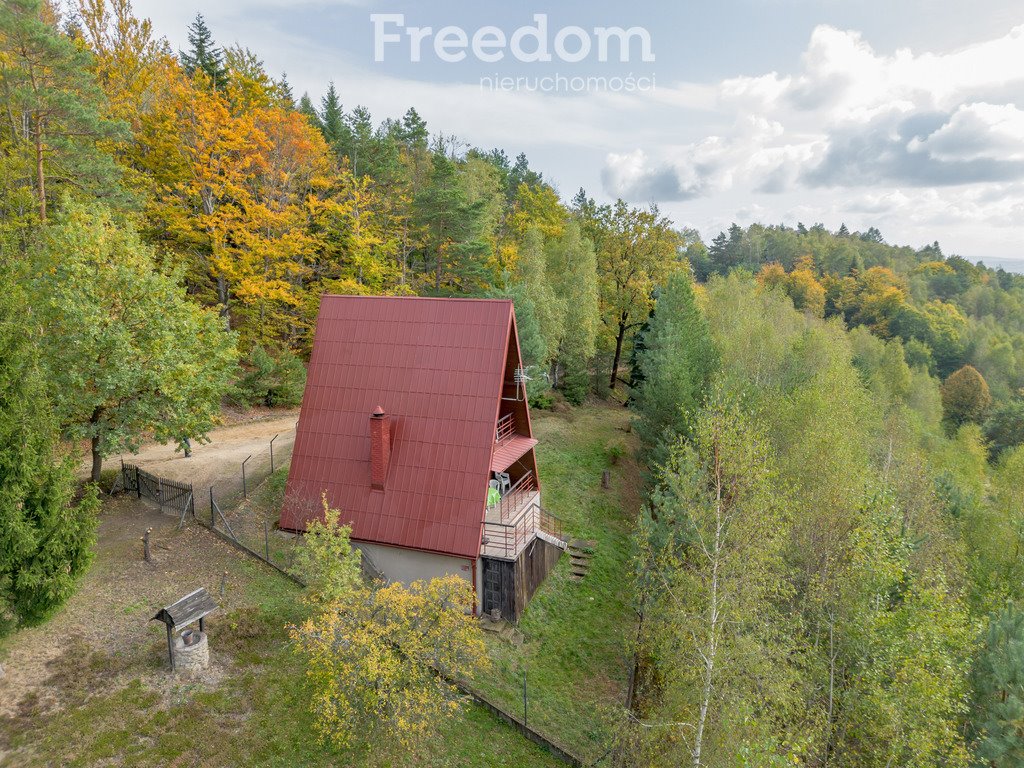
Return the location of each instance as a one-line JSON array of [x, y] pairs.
[[436, 367]]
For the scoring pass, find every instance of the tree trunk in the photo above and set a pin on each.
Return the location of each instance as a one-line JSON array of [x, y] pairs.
[[97, 460], [618, 354], [711, 651], [96, 445], [40, 174], [223, 296]]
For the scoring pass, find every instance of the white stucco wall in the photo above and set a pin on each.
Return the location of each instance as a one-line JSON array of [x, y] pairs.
[[409, 565]]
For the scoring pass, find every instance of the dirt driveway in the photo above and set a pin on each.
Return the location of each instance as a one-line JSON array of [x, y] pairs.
[[219, 462]]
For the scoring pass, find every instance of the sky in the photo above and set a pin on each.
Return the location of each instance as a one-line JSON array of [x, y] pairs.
[[905, 115]]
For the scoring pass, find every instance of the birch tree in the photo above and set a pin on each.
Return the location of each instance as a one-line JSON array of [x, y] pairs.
[[714, 538]]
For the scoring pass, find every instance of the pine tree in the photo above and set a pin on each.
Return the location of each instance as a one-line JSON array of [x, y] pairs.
[[414, 129], [45, 538], [332, 118], [451, 225], [676, 367], [359, 142], [999, 692], [306, 107], [572, 273], [284, 89], [204, 54], [47, 82]]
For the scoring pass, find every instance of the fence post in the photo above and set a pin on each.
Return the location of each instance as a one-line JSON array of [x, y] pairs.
[[245, 494], [266, 540], [192, 500], [525, 721], [272, 453], [138, 485], [213, 519]]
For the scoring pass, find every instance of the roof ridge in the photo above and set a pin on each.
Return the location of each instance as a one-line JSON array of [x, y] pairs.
[[472, 299]]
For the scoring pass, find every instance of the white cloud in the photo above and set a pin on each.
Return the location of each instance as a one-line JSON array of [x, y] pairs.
[[977, 132], [851, 117]]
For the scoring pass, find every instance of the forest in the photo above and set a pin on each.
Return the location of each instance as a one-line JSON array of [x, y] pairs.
[[828, 563]]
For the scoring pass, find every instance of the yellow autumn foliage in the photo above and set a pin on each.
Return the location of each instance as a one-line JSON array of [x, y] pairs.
[[380, 661]]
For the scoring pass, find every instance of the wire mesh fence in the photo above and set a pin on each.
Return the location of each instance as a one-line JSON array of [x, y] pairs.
[[242, 508]]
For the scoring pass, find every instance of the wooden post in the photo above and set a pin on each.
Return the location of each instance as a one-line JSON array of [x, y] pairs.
[[606, 479], [245, 494], [160, 492], [146, 553], [223, 583], [272, 453], [525, 721], [138, 485], [213, 519], [170, 646]]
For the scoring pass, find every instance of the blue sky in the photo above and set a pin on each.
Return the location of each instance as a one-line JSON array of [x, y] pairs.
[[907, 115]]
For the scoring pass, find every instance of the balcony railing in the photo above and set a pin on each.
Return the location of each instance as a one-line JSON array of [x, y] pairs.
[[517, 497], [506, 429], [508, 539]]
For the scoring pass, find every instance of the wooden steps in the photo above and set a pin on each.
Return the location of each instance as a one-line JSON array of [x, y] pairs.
[[581, 551]]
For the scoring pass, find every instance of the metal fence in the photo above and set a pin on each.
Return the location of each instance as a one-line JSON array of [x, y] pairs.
[[225, 508], [169, 494]]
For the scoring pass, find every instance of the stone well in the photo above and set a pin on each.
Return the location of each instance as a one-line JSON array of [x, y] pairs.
[[191, 659]]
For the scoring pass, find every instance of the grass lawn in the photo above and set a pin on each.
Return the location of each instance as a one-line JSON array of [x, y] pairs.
[[577, 633], [104, 698], [255, 714]]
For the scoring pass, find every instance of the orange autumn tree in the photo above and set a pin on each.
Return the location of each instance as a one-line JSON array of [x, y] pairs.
[[205, 161], [801, 285], [246, 194], [130, 65]]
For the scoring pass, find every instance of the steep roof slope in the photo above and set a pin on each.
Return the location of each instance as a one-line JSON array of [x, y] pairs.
[[436, 367]]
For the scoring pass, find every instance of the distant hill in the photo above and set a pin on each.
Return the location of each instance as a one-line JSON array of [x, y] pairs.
[[1010, 265]]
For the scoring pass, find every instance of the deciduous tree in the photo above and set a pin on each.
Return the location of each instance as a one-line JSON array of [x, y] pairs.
[[965, 396], [126, 352], [379, 661], [636, 251]]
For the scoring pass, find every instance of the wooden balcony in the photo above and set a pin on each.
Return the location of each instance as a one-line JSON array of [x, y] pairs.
[[506, 540], [515, 501]]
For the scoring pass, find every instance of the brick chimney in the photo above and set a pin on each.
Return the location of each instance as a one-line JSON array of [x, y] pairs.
[[380, 447]]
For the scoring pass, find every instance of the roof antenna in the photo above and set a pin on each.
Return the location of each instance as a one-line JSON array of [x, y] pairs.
[[520, 378]]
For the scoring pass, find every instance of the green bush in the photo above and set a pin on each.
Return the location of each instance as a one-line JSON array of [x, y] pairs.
[[614, 451], [542, 401], [271, 381]]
